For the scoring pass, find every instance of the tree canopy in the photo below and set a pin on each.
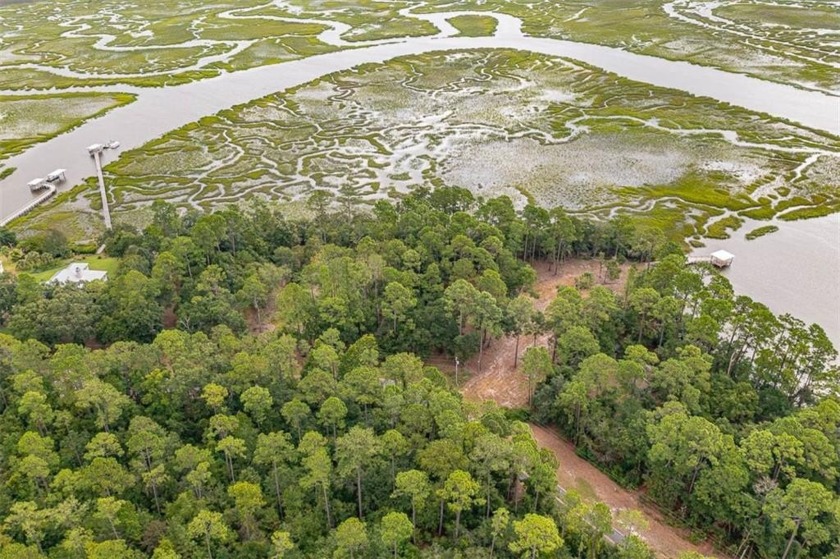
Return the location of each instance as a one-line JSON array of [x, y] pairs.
[[249, 386]]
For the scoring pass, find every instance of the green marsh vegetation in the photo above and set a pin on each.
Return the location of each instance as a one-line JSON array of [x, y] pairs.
[[760, 232], [719, 229], [142, 45], [28, 120], [474, 26], [810, 212], [148, 45], [772, 41], [558, 134], [813, 15]]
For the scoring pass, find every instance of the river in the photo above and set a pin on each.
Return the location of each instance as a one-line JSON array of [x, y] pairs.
[[795, 270]]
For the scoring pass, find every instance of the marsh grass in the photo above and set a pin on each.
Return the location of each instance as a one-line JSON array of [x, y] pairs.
[[720, 228], [474, 26], [810, 212], [35, 32], [25, 121], [539, 129], [760, 232], [762, 213]]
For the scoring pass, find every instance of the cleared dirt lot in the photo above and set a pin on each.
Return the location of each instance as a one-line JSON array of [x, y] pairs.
[[501, 382], [498, 379]]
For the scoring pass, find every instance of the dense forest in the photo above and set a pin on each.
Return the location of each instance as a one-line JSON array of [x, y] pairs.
[[249, 386]]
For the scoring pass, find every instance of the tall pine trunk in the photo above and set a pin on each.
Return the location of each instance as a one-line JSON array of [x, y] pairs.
[[359, 490], [327, 507], [480, 350], [516, 352]]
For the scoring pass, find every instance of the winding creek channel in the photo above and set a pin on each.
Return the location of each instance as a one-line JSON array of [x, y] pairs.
[[795, 270]]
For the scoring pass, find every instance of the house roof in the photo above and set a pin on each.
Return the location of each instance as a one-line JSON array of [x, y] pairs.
[[78, 272]]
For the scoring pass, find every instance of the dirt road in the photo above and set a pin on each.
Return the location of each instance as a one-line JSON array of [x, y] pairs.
[[578, 474], [501, 382]]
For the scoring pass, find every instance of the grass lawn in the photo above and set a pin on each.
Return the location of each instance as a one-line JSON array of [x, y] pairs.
[[95, 262]]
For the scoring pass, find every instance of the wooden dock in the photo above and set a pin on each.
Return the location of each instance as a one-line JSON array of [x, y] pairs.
[[106, 212], [719, 259], [50, 192]]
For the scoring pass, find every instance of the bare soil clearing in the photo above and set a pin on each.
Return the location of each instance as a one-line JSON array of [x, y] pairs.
[[501, 382]]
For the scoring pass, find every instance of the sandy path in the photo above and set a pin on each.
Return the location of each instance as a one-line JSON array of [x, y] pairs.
[[501, 382]]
